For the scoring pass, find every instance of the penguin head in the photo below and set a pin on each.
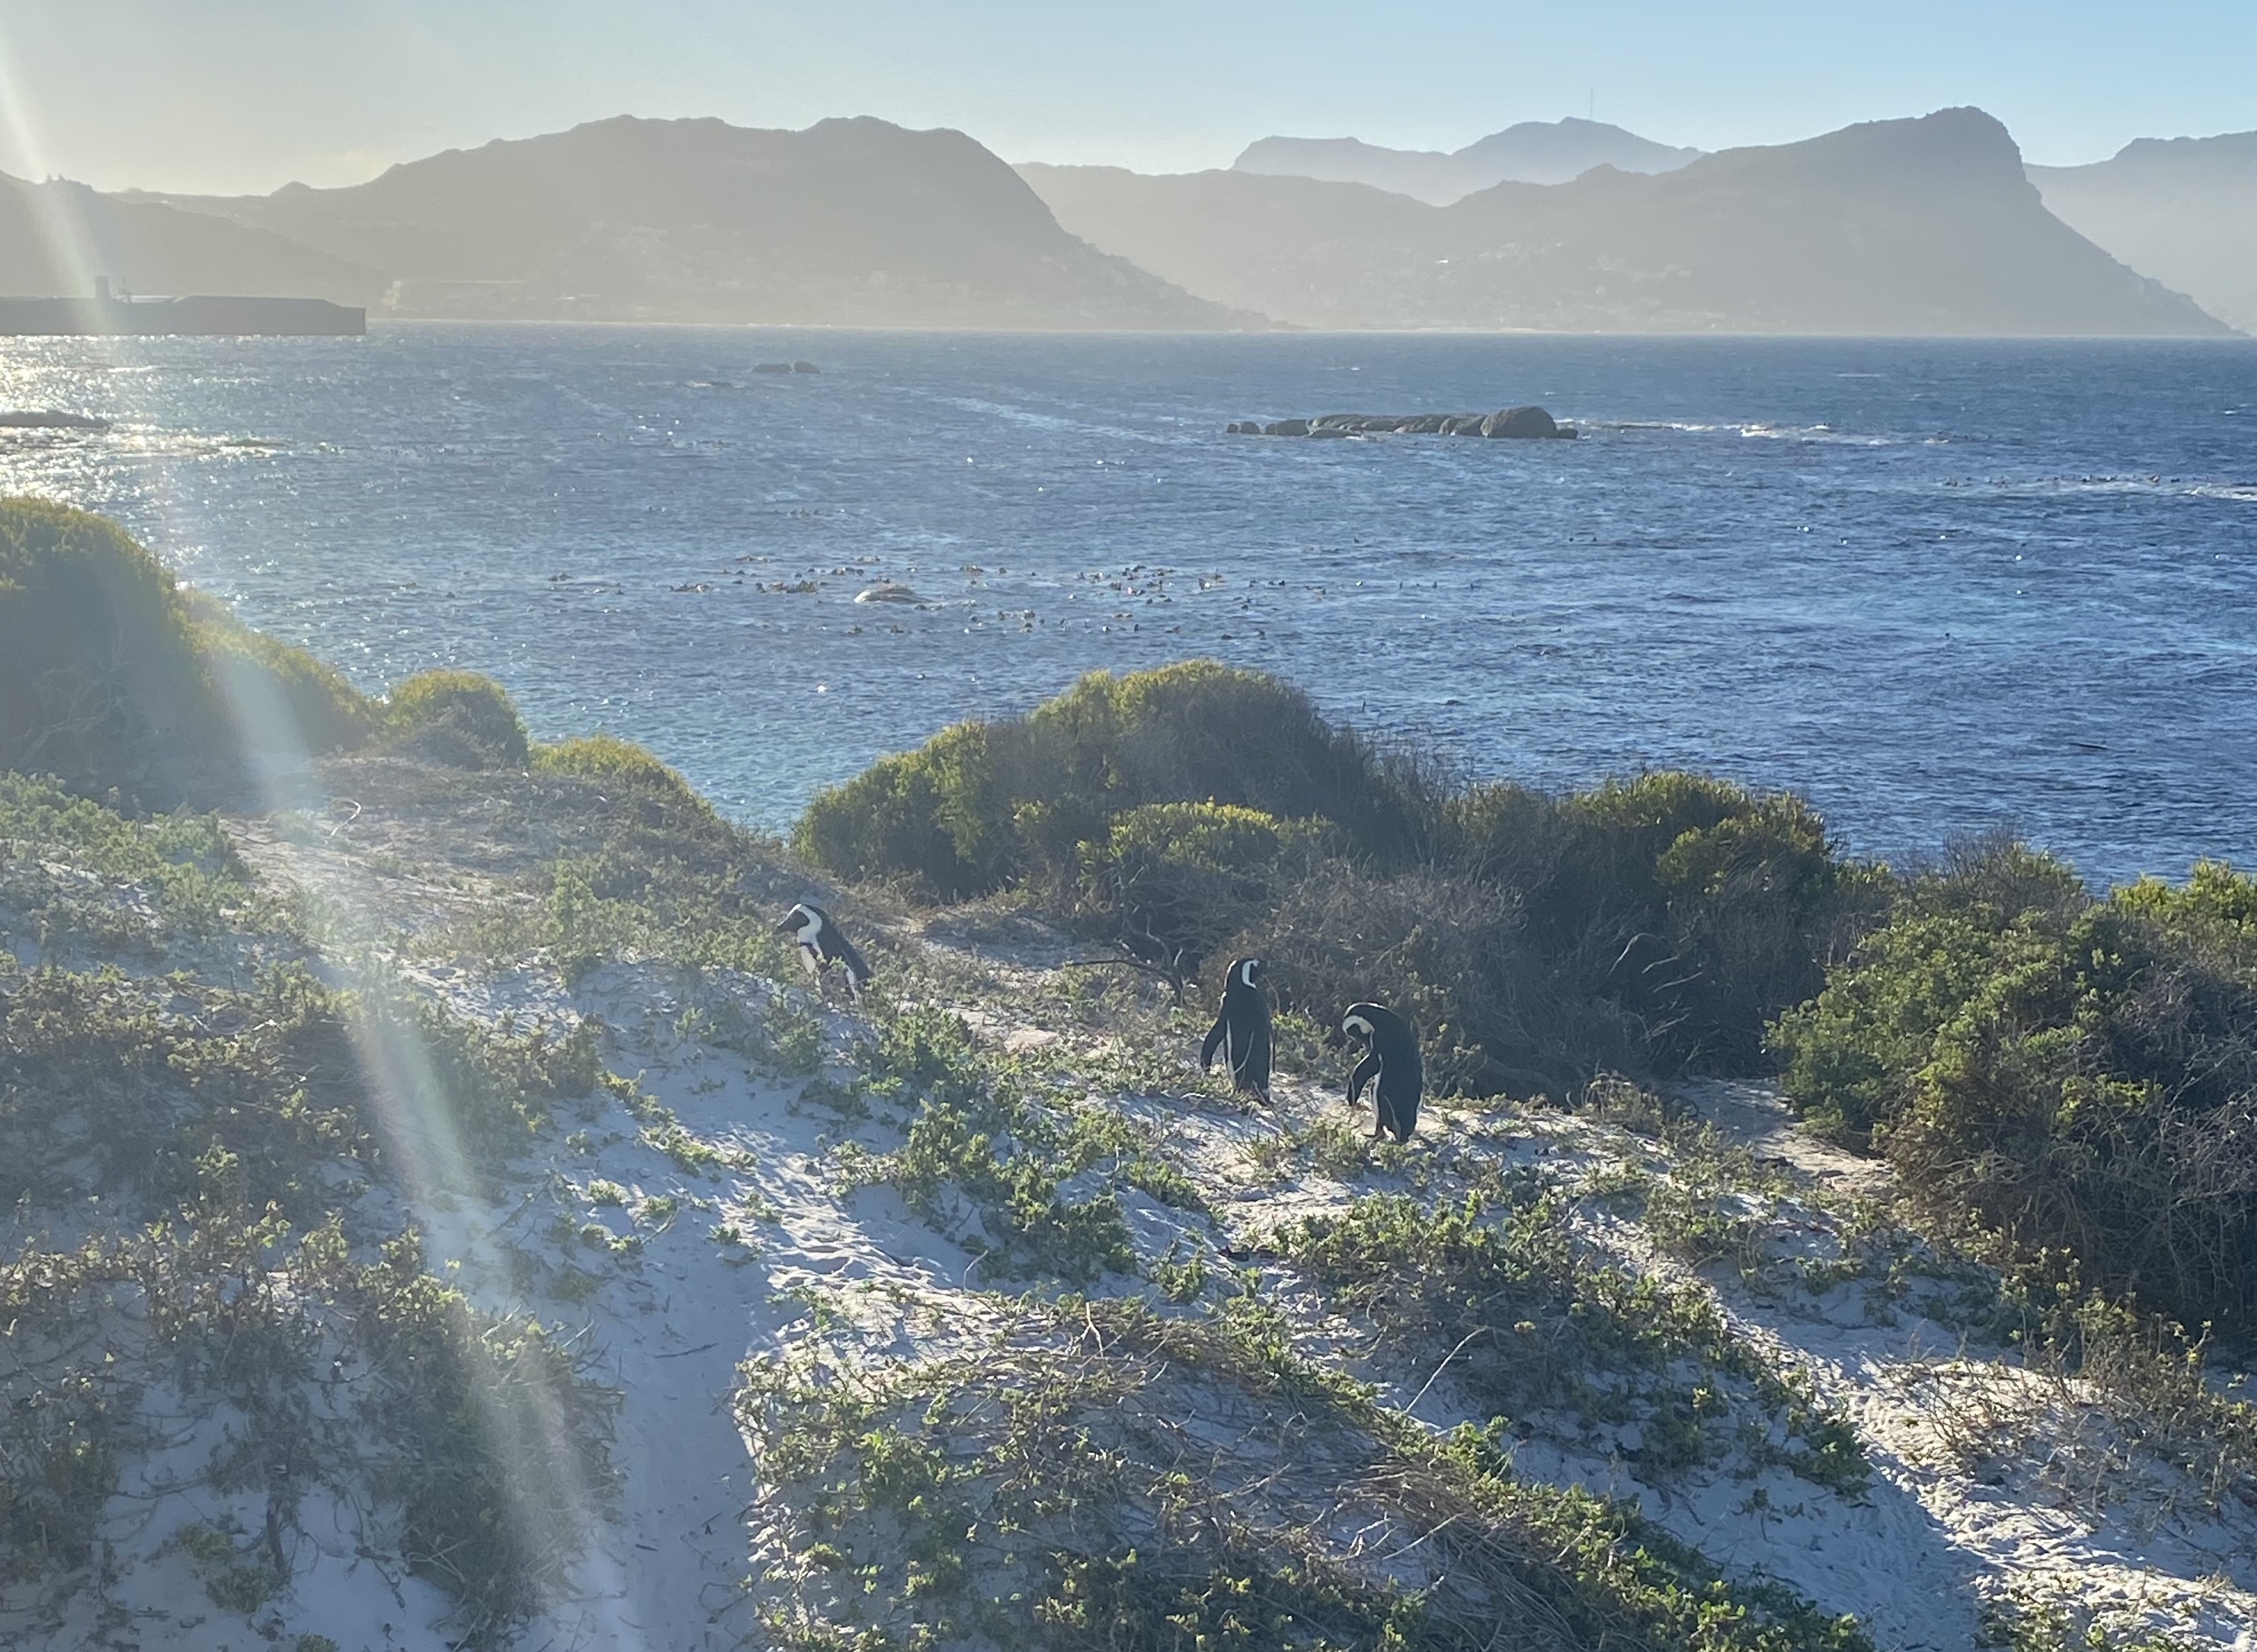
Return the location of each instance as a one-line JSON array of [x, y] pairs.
[[1248, 972], [1361, 1022], [802, 920]]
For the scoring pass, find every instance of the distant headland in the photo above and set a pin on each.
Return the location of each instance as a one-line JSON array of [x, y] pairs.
[[104, 314]]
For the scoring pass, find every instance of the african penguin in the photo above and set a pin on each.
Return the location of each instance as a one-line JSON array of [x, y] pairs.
[[1241, 1031], [1391, 1057], [821, 945]]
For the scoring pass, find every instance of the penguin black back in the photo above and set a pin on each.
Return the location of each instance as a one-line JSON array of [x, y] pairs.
[[1391, 1066], [822, 944], [1241, 1031]]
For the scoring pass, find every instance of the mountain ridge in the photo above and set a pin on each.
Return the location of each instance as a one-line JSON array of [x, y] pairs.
[[851, 222], [2184, 209], [57, 237], [1927, 226], [1529, 152]]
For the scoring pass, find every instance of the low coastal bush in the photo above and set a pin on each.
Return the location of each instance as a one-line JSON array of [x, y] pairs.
[[283, 699], [1195, 811], [1187, 878], [626, 769], [459, 718], [111, 679], [2076, 1075], [984, 805]]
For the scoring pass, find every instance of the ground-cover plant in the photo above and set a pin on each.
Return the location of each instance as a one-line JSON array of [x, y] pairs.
[[114, 1085], [607, 855], [1097, 1475], [2075, 1074], [81, 880], [1649, 924], [1530, 1322], [980, 1135], [472, 1431], [213, 1130]]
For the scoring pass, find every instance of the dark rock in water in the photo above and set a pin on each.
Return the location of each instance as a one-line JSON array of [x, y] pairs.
[[1532, 424], [1524, 423], [35, 419], [772, 367], [1243, 428], [805, 367]]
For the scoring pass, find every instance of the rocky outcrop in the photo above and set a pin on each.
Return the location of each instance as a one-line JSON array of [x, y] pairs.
[[1507, 423]]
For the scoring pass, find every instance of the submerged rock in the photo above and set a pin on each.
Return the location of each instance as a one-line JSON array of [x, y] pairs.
[[886, 591], [44, 418]]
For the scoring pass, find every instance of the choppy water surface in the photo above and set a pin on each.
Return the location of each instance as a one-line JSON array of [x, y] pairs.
[[1936, 586]]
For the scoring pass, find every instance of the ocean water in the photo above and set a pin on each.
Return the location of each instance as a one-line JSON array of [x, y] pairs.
[[1938, 587]]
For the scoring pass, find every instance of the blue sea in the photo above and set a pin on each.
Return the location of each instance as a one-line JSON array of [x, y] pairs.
[[1939, 587]]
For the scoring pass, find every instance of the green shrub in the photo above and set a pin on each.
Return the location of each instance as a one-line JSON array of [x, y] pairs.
[[100, 683], [283, 700], [625, 769], [1198, 811], [112, 679], [1192, 875], [2073, 1074], [983, 805], [459, 718], [1698, 907], [1453, 953]]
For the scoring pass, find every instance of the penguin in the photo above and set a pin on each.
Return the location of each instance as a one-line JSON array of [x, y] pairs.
[[821, 945], [1241, 1031], [1391, 1057]]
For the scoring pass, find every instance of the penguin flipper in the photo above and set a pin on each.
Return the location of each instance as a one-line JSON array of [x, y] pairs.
[[858, 972], [1366, 1071], [1214, 1041]]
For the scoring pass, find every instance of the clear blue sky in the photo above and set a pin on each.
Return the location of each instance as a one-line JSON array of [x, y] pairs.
[[245, 94]]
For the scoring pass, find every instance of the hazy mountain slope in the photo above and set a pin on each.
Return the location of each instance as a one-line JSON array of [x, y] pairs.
[[1530, 153], [2184, 209], [1922, 226], [55, 238], [1317, 254], [852, 220]]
